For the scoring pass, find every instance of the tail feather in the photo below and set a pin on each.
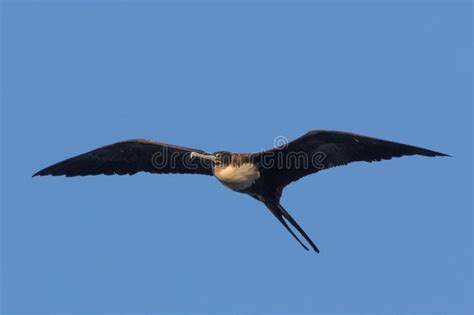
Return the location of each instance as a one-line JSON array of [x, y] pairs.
[[281, 214]]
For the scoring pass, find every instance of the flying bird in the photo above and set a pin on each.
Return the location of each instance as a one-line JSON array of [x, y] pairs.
[[262, 175]]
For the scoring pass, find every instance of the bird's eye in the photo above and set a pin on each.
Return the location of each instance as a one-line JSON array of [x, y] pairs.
[[218, 155]]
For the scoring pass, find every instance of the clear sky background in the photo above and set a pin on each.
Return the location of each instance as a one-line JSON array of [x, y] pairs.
[[395, 236]]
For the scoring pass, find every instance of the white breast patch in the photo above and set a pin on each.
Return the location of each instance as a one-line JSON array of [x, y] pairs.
[[237, 177]]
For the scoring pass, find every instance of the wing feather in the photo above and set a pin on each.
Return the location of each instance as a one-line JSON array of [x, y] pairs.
[[321, 149], [130, 157]]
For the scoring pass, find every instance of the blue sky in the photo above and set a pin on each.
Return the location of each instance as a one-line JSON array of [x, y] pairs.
[[394, 236]]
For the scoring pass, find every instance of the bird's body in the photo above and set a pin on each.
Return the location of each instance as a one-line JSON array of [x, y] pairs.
[[237, 177], [262, 175]]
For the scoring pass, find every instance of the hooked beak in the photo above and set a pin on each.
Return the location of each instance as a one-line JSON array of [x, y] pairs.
[[209, 157]]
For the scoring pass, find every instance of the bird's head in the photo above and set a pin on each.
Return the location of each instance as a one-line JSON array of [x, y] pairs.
[[221, 158]]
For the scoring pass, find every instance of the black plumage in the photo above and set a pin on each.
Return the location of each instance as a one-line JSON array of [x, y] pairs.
[[128, 158], [326, 149], [262, 175]]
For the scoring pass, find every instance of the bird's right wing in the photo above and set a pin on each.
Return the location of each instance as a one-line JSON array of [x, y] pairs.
[[130, 157]]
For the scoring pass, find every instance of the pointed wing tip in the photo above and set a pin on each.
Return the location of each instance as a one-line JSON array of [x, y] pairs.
[[431, 153], [42, 172], [434, 153], [48, 172]]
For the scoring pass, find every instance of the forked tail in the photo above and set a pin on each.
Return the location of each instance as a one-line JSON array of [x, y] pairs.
[[281, 214]]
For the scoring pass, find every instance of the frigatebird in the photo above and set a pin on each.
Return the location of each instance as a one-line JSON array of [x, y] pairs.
[[262, 175]]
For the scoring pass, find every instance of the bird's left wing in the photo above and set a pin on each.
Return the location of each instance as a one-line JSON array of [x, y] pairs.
[[321, 149], [130, 157]]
